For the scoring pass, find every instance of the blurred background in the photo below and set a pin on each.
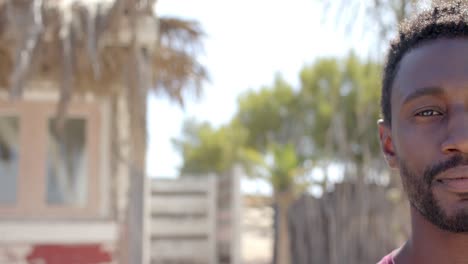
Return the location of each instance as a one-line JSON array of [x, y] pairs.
[[196, 131]]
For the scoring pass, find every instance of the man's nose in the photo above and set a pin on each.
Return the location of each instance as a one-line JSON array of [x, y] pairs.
[[457, 137]]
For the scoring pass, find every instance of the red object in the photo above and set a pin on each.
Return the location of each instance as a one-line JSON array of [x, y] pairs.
[[73, 254]]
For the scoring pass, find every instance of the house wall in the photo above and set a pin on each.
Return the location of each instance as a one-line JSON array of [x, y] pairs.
[[68, 235], [33, 157]]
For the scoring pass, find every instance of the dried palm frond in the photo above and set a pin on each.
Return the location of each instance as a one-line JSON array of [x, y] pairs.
[[175, 60], [86, 45], [174, 30]]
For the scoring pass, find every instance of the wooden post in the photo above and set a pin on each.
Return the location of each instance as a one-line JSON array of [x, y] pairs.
[[212, 217], [138, 190], [236, 216]]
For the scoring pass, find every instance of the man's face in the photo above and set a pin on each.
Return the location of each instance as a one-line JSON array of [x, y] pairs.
[[428, 138]]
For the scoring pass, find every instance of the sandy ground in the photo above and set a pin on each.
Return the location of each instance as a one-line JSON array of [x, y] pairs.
[[257, 234]]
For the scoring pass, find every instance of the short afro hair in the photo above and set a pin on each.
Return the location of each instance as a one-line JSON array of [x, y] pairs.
[[448, 20]]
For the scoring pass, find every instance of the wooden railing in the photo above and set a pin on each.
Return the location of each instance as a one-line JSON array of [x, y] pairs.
[[196, 220]]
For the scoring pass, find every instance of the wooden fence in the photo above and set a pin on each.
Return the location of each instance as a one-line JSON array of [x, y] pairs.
[[229, 206], [183, 221], [350, 225], [195, 220]]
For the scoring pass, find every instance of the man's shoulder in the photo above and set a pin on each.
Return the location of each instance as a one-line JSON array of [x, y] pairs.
[[387, 259]]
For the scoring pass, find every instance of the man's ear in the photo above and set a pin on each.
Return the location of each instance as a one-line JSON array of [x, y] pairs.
[[386, 144]]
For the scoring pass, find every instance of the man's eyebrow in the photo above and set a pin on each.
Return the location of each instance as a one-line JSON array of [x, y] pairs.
[[433, 90]]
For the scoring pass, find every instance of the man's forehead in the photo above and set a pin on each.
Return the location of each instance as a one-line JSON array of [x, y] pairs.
[[437, 63]]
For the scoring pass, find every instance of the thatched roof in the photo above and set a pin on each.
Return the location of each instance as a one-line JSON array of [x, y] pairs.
[[96, 46]]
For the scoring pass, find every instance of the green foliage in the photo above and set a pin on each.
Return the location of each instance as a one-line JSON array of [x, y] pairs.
[[270, 117], [279, 164], [285, 167], [341, 102], [331, 118], [266, 113], [320, 87], [209, 150]]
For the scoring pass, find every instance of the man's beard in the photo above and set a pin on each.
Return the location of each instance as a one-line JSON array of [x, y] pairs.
[[420, 195]]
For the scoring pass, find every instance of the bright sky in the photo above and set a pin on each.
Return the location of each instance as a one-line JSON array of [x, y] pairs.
[[247, 42]]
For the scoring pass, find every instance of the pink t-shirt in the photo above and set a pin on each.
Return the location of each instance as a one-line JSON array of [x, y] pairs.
[[387, 259]]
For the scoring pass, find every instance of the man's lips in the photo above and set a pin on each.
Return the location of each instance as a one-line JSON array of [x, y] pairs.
[[455, 179]]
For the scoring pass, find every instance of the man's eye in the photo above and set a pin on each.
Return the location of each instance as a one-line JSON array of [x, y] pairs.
[[429, 113]]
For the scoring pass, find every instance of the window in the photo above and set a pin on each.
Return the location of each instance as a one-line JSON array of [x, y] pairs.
[[9, 151], [49, 173], [66, 162]]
